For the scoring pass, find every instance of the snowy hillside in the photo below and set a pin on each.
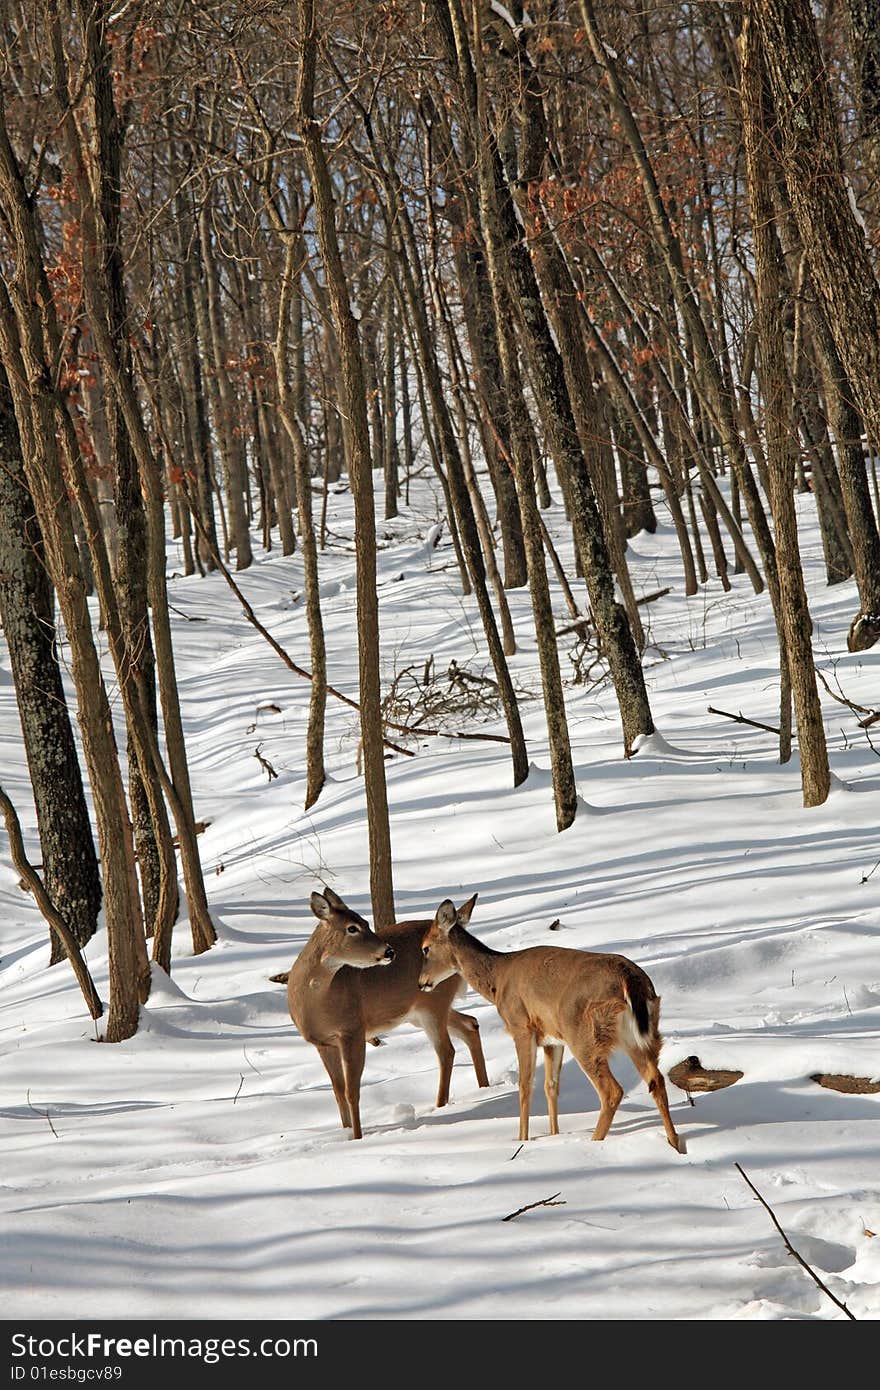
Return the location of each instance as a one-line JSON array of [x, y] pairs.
[[201, 1164]]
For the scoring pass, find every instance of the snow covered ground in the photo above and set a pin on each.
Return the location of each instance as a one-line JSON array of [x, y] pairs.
[[200, 1170]]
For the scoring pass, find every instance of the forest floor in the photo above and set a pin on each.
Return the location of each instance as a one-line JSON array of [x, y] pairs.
[[200, 1169]]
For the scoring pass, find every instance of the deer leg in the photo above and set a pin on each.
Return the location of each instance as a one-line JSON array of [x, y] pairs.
[[354, 1051], [608, 1089], [552, 1068], [329, 1055], [526, 1051], [439, 1034], [653, 1077], [466, 1027]]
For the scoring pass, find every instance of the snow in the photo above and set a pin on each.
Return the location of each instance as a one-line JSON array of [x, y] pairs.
[[504, 13], [201, 1165], [856, 210]]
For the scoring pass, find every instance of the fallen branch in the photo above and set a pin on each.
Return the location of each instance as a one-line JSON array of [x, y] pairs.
[[189, 617], [872, 715], [790, 1248], [264, 763], [544, 1202], [48, 908], [652, 598], [44, 1114], [741, 719]]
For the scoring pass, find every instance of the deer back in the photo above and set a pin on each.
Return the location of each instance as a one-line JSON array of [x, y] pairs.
[[552, 988]]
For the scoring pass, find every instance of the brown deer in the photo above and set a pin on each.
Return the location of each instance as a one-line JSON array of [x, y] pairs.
[[552, 996], [337, 1001]]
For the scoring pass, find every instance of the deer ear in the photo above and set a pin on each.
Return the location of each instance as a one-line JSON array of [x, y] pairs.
[[320, 906], [333, 898], [464, 912], [446, 915]]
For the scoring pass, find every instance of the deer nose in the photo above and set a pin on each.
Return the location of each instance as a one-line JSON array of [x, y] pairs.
[[389, 955], [425, 986]]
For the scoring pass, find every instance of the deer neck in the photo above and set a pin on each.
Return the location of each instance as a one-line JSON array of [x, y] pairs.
[[477, 963], [321, 966]]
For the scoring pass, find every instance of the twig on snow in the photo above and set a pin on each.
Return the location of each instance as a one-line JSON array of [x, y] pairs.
[[190, 618], [33, 881], [872, 715], [264, 763], [741, 719], [790, 1248], [45, 1115], [544, 1202]]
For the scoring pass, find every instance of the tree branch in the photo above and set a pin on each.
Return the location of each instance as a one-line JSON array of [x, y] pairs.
[[790, 1248], [48, 908], [741, 719], [544, 1202]]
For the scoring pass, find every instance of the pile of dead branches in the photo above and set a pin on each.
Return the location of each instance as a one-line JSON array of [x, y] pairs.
[[420, 697]]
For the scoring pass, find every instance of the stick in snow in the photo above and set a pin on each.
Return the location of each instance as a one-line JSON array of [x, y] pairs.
[[741, 719], [790, 1248], [544, 1202], [48, 908]]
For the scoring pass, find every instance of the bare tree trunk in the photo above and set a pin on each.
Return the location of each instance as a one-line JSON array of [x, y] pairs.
[[834, 243], [57, 925], [355, 408], [70, 865], [389, 405], [794, 611], [37, 409], [864, 18], [460, 508], [225, 404], [548, 377], [483, 337], [707, 375], [315, 773], [99, 169], [191, 372], [106, 299]]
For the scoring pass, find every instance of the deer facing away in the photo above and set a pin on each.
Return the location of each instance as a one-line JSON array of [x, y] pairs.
[[554, 997], [349, 983]]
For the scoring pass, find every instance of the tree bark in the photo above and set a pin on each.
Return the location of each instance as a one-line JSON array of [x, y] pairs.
[[287, 405], [38, 409], [353, 394], [70, 865], [794, 610], [548, 378], [833, 240]]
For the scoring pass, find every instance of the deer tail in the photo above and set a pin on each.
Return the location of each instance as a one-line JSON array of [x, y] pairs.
[[640, 999]]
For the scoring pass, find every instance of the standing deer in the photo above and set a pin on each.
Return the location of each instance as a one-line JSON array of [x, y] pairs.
[[337, 1001], [553, 996]]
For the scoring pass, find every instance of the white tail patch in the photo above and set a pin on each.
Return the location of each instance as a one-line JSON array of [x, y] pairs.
[[628, 1032]]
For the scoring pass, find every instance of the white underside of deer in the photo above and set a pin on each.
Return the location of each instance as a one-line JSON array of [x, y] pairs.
[[551, 997]]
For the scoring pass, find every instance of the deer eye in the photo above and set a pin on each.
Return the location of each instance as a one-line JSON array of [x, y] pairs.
[[353, 930], [425, 950]]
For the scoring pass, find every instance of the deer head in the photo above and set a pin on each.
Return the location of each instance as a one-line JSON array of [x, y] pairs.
[[438, 955], [344, 938]]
